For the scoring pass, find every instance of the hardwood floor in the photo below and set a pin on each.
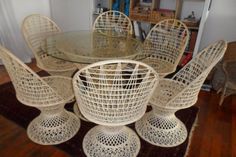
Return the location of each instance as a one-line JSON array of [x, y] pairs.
[[214, 135]]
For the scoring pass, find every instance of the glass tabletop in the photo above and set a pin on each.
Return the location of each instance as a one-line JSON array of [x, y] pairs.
[[89, 47]]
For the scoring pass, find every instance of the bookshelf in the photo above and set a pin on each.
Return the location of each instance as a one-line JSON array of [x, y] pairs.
[[151, 12]]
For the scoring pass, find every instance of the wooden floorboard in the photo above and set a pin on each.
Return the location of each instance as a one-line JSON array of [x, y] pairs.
[[214, 135]]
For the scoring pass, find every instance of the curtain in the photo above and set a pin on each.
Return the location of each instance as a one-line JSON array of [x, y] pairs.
[[10, 34]]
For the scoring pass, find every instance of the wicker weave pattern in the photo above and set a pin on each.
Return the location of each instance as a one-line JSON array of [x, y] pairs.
[[54, 125], [113, 23], [124, 143], [36, 28], [177, 93], [194, 74], [113, 93], [165, 45]]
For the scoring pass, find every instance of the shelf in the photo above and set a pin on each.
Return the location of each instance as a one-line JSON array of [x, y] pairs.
[[152, 13]]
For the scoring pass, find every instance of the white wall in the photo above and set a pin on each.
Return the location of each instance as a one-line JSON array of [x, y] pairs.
[[72, 14], [24, 8], [189, 6], [221, 22]]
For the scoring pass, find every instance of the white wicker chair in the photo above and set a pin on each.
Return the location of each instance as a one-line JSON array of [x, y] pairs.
[[54, 125], [160, 126], [112, 94], [164, 46], [36, 28], [113, 23]]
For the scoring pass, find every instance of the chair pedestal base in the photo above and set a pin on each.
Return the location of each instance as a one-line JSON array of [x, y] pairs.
[[159, 130], [51, 128], [78, 113], [111, 141]]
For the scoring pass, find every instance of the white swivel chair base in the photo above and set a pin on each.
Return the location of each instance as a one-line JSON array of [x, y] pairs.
[[50, 129], [161, 131], [104, 141]]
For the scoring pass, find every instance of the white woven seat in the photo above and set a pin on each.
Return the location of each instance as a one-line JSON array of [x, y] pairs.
[[112, 94], [49, 94], [36, 28], [160, 126], [164, 45], [113, 23]]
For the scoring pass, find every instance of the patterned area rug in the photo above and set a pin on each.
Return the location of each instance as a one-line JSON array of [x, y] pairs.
[[22, 115]]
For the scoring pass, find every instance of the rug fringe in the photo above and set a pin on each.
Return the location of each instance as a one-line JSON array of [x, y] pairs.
[[195, 124]]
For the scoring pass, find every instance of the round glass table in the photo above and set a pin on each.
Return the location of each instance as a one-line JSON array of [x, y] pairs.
[[89, 47]]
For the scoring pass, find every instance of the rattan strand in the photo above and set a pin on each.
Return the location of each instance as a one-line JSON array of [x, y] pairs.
[[113, 23], [112, 94], [54, 125], [160, 126], [164, 45], [36, 28]]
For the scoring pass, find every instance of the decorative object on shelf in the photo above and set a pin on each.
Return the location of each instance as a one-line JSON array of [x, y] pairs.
[[99, 8], [54, 125], [113, 23], [36, 28], [160, 126], [191, 20], [114, 93], [165, 45]]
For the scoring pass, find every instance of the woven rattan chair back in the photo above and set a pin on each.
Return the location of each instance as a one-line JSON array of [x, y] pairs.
[[30, 88], [35, 29], [113, 23], [114, 92], [54, 124], [160, 126], [191, 76], [165, 44]]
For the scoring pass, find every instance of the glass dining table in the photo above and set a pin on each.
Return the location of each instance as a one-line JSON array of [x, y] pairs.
[[88, 47]]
